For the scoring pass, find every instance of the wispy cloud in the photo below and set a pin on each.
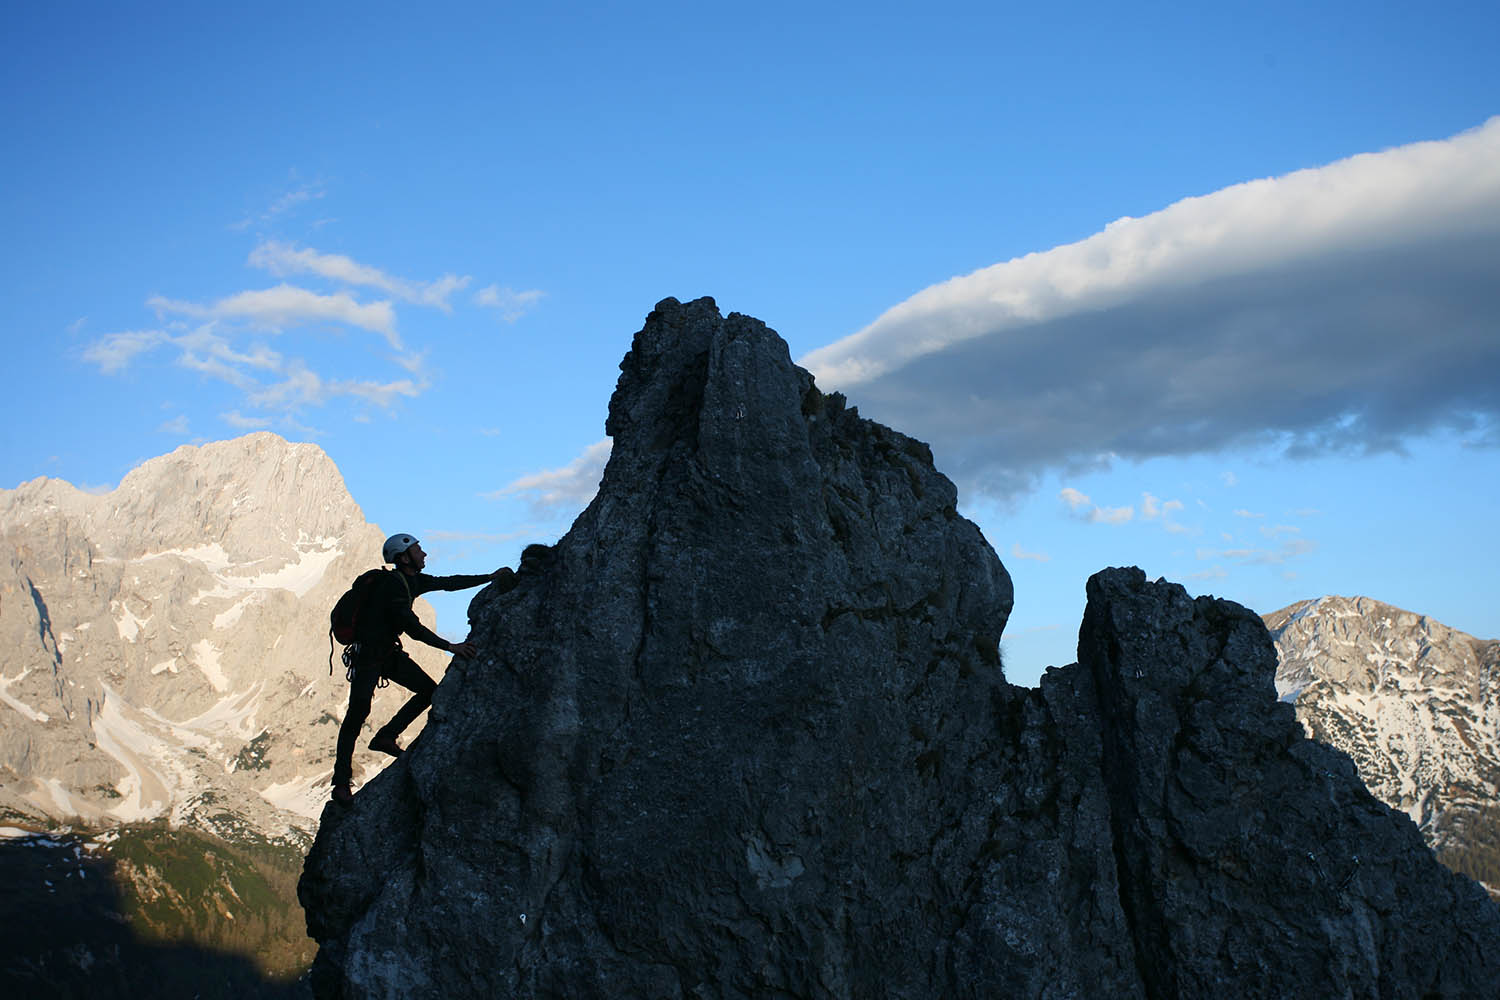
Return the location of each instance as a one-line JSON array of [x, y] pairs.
[[284, 260], [1344, 307], [300, 386], [1288, 549], [1163, 513], [282, 204], [381, 394], [1080, 504], [239, 421], [114, 352], [511, 304], [1075, 499], [269, 380], [205, 350], [286, 306], [1019, 553], [293, 198], [568, 488]]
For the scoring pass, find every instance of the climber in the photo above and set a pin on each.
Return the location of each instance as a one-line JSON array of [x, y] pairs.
[[377, 654]]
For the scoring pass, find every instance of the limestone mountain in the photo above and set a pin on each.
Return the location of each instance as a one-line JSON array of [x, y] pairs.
[[744, 732], [166, 642], [1415, 704]]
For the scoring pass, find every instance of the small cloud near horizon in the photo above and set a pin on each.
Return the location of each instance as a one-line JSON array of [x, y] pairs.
[[569, 488], [1081, 506], [1017, 552], [509, 303]]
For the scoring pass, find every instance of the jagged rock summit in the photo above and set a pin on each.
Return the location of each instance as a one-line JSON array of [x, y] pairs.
[[745, 733]]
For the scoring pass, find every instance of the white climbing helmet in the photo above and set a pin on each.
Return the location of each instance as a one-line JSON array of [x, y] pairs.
[[395, 545]]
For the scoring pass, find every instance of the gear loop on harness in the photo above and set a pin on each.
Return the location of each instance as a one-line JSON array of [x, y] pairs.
[[351, 664]]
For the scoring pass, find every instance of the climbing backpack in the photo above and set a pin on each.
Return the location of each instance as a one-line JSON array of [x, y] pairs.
[[343, 620]]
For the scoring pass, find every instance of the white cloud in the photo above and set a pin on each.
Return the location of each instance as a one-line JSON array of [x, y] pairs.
[[208, 352], [1018, 553], [1080, 504], [1242, 512], [414, 363], [301, 387], [1111, 515], [282, 204], [206, 342], [177, 425], [568, 488], [114, 352], [1289, 549], [292, 199], [241, 422], [282, 260], [382, 394], [1153, 509], [1073, 498], [511, 304], [287, 305], [1343, 307]]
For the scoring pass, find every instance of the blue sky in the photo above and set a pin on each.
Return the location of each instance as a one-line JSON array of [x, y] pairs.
[[1211, 291]]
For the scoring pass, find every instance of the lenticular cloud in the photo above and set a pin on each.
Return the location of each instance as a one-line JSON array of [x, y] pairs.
[[1350, 304]]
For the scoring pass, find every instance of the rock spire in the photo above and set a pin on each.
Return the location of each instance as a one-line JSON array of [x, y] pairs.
[[744, 732]]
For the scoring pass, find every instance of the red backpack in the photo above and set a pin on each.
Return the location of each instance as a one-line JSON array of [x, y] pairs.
[[343, 620]]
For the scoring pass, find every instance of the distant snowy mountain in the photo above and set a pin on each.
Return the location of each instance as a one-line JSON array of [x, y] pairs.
[[165, 644], [1415, 703]]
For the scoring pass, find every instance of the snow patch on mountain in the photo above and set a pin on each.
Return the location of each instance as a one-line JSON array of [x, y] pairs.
[[303, 796], [16, 703], [147, 786]]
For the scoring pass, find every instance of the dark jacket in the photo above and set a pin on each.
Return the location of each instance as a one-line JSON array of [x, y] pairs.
[[387, 613]]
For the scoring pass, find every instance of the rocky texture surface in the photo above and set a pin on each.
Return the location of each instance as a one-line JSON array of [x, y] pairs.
[[166, 642], [1416, 706], [745, 734]]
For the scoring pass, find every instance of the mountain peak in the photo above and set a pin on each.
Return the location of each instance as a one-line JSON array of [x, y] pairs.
[[169, 639], [1412, 702]]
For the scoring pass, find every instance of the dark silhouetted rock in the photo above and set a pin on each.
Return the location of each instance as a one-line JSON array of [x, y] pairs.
[[744, 732]]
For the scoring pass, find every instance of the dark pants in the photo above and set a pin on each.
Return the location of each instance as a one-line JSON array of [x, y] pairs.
[[400, 668]]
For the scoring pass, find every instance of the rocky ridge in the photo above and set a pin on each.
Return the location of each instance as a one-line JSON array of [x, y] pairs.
[[1416, 706], [167, 641], [744, 732]]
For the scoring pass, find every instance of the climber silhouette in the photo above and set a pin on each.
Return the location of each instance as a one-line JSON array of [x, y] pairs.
[[376, 655]]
